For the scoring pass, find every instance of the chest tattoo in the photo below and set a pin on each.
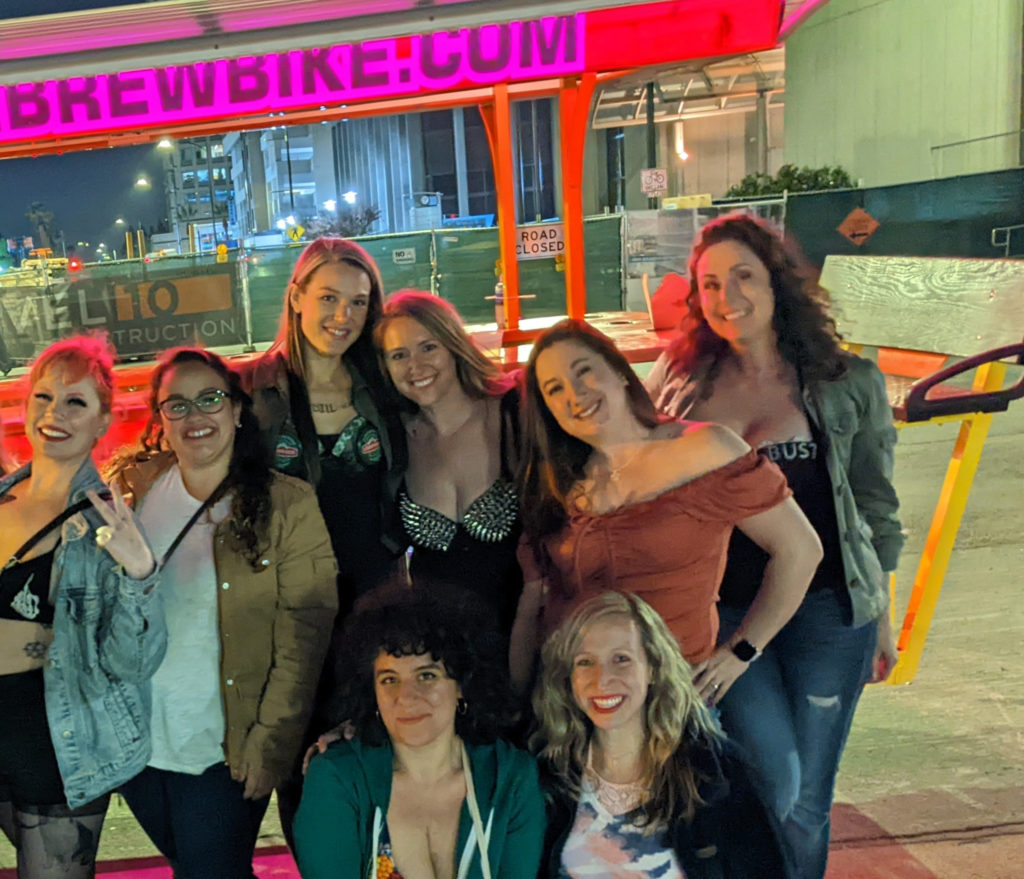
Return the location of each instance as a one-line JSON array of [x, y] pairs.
[[329, 408]]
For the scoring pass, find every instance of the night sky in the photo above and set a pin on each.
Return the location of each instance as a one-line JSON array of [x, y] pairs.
[[87, 191]]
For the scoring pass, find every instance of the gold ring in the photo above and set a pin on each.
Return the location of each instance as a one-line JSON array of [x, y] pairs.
[[103, 535]]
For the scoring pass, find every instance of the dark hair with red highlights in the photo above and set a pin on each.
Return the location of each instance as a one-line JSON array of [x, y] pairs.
[[805, 332], [552, 460], [87, 354], [249, 473]]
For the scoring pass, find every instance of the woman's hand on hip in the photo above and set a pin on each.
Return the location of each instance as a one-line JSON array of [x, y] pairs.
[[886, 654], [120, 536], [715, 675]]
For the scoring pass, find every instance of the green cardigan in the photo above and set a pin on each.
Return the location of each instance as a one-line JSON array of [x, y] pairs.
[[334, 827]]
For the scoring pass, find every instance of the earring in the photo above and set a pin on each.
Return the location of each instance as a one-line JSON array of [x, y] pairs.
[[462, 706]]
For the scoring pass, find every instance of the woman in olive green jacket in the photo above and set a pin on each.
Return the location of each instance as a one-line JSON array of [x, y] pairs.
[[250, 600], [759, 353]]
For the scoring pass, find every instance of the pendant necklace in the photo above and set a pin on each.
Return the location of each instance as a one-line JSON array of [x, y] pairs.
[[615, 472]]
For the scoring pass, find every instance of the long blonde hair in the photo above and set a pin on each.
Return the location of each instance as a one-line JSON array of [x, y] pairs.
[[324, 251], [675, 718]]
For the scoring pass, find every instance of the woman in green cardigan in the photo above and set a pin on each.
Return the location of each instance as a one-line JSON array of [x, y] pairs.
[[425, 787]]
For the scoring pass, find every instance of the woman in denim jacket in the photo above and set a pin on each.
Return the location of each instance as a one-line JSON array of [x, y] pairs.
[[759, 353], [82, 630]]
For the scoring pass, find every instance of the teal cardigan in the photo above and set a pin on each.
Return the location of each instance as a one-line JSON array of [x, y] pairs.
[[344, 788]]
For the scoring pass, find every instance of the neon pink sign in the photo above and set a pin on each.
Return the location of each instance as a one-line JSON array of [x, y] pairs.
[[405, 66]]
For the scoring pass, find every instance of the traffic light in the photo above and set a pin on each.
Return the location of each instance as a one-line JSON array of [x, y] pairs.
[[74, 264]]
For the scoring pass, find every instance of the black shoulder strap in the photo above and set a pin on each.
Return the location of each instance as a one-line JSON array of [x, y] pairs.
[[217, 494], [52, 526]]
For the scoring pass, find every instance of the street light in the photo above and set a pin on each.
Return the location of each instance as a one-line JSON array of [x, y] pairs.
[[119, 221], [142, 182], [165, 143], [349, 197], [330, 205]]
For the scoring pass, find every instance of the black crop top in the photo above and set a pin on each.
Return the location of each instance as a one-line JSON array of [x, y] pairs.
[[25, 590], [805, 464]]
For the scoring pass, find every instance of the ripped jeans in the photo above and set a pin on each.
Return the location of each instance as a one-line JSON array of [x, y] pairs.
[[791, 711]]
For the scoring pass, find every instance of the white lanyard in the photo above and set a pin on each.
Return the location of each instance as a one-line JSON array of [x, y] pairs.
[[479, 837]]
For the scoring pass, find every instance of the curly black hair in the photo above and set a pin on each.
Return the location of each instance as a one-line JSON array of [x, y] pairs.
[[453, 629], [806, 332], [249, 473]]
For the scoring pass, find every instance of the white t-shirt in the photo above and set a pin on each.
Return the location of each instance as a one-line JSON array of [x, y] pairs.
[[188, 715]]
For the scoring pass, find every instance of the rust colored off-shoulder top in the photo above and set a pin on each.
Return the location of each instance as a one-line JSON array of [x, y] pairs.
[[669, 550]]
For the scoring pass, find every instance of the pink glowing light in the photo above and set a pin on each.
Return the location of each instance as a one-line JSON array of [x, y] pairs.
[[164, 96], [798, 16]]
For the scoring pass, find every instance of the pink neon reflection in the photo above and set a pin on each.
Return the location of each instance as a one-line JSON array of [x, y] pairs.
[[794, 19], [511, 52], [84, 41], [293, 13]]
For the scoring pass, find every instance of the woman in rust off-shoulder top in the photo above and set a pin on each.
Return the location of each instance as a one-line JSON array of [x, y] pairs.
[[614, 499]]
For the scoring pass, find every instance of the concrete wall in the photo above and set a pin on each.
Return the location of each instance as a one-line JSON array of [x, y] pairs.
[[722, 151], [877, 85]]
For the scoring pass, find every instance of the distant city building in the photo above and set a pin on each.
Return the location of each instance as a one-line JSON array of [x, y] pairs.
[[200, 193], [416, 169]]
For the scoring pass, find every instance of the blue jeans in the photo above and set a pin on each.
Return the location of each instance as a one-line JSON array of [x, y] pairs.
[[200, 823], [791, 711]]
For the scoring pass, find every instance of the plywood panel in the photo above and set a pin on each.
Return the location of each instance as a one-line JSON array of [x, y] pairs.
[[952, 306]]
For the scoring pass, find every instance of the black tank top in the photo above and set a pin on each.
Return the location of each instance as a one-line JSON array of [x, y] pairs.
[[804, 462], [25, 590]]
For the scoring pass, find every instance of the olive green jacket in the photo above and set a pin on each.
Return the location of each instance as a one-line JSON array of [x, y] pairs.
[[853, 412], [275, 620]]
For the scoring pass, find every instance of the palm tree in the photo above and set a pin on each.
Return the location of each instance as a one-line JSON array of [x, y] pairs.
[[41, 219]]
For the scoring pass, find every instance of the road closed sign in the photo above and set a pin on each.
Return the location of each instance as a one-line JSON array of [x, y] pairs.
[[540, 241]]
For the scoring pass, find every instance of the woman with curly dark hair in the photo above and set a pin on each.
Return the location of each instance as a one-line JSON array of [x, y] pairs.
[[424, 787], [760, 354], [249, 594]]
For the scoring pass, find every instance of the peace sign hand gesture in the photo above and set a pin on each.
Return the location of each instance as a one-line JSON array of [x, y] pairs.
[[121, 536]]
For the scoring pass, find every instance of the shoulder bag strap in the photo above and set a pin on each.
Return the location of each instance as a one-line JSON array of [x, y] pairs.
[[217, 494], [52, 526]]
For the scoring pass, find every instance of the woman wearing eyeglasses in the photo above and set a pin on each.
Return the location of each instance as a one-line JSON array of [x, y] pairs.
[[249, 595]]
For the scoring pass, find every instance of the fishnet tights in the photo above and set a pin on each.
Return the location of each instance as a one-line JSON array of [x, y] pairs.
[[55, 842]]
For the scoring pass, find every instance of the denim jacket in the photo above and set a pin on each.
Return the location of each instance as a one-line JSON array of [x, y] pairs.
[[108, 640], [854, 413]]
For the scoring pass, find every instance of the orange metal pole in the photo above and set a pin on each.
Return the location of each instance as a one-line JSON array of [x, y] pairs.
[[498, 124], [574, 98]]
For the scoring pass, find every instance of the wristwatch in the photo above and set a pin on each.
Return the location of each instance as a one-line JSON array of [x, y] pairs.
[[744, 651]]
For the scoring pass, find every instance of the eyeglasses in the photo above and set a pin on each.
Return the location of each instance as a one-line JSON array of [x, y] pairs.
[[207, 403]]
